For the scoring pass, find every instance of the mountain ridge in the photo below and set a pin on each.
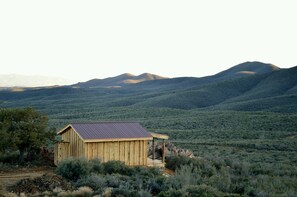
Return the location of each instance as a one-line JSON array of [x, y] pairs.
[[240, 70], [281, 83], [237, 71], [119, 80], [248, 68], [27, 81], [268, 88]]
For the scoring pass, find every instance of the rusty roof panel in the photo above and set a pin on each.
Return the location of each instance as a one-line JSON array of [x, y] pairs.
[[110, 130]]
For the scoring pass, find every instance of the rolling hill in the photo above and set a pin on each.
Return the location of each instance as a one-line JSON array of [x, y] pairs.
[[241, 70], [250, 86], [245, 69], [118, 81], [275, 91]]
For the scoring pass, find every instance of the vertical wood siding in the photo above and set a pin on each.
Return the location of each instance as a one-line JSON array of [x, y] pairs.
[[132, 153], [61, 152], [76, 145]]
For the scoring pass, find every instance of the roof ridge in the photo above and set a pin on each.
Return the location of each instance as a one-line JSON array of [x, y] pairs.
[[104, 122]]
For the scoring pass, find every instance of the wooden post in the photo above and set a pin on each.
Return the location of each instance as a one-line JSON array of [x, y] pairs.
[[153, 148], [164, 152]]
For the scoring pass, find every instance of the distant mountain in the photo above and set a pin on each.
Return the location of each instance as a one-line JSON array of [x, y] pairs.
[[14, 80], [246, 68], [250, 86], [119, 80], [240, 70], [275, 91]]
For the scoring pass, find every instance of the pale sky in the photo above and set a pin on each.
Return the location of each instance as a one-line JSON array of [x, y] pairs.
[[81, 40]]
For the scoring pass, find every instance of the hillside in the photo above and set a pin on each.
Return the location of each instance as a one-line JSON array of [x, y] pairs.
[[241, 70], [268, 89], [274, 91], [245, 69], [149, 81], [118, 81]]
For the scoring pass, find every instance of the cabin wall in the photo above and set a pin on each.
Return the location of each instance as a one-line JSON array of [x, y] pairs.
[[76, 145], [132, 153], [61, 152]]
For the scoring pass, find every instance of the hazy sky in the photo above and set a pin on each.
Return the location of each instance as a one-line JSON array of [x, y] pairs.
[[81, 40]]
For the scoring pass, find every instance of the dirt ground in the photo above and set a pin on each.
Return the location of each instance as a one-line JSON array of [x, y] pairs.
[[10, 177]]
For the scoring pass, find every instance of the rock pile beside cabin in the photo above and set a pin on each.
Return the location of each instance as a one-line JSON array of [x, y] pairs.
[[170, 150]]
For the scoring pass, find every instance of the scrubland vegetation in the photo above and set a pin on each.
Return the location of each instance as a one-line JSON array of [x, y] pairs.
[[193, 177], [238, 153], [113, 178], [243, 131]]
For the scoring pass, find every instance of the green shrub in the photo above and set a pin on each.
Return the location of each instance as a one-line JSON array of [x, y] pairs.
[[206, 168], [172, 183], [124, 190], [173, 193], [187, 175], [118, 167], [147, 171], [155, 187], [157, 184], [239, 185], [232, 195], [112, 180], [203, 191], [10, 158], [144, 194], [222, 180], [7, 166], [153, 171], [96, 166], [175, 162], [96, 182], [74, 169]]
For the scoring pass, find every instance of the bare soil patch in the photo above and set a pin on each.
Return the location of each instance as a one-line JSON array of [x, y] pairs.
[[11, 177]]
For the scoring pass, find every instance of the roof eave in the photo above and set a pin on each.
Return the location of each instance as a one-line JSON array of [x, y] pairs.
[[63, 130], [159, 136], [117, 139]]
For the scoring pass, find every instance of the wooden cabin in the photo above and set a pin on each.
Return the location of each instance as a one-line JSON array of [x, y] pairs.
[[123, 141]]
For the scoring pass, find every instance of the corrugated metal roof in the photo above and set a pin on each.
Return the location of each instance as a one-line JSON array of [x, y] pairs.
[[110, 130], [160, 136]]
